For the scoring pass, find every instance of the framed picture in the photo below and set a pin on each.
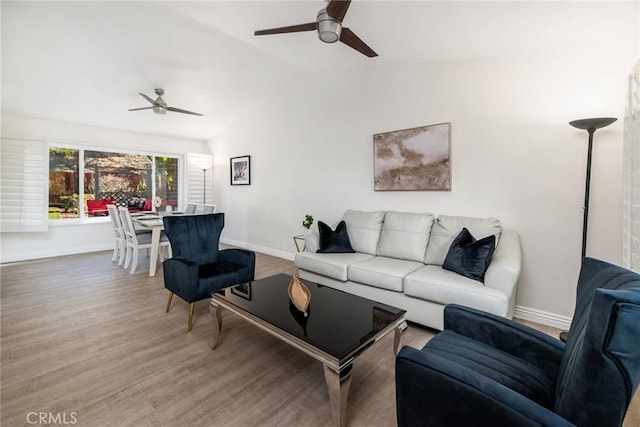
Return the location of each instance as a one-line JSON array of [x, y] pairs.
[[240, 170], [243, 290], [413, 159]]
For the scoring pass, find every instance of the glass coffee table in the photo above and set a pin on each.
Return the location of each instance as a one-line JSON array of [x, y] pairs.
[[339, 326]]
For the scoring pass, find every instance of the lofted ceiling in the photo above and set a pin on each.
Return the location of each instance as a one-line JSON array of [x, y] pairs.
[[85, 62]]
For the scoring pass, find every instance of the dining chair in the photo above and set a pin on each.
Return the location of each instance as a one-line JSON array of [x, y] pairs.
[[136, 241], [208, 209], [120, 248], [120, 243], [191, 208]]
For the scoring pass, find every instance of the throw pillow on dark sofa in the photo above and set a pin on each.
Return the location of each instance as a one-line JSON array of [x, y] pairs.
[[334, 241], [470, 257]]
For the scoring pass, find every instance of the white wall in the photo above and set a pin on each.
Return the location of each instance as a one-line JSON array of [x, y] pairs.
[[64, 238], [514, 157]]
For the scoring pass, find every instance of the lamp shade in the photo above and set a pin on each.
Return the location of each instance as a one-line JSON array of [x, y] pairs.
[[594, 124]]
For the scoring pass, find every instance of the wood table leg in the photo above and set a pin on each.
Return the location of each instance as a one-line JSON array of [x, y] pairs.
[[155, 244]]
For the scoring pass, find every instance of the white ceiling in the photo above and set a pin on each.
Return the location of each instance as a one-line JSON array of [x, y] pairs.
[[85, 62]]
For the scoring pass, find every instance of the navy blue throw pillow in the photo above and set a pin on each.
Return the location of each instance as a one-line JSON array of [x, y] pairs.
[[334, 241], [470, 257]]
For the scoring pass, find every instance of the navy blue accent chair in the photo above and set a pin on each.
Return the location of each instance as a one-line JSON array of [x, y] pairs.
[[198, 267], [487, 370]]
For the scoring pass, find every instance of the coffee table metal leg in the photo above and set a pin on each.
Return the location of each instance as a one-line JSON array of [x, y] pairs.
[[397, 336], [338, 385], [216, 313]]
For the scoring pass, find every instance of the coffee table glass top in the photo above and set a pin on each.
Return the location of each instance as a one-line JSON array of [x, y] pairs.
[[337, 322]]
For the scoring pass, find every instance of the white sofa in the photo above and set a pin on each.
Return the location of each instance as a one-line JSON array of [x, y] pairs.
[[398, 261]]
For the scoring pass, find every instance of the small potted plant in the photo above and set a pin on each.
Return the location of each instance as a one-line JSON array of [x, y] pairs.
[[308, 221]]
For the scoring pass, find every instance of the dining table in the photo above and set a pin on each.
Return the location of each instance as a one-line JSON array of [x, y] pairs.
[[151, 221]]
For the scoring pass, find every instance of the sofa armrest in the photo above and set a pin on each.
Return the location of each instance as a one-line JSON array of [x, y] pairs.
[[504, 270], [242, 257], [526, 343], [434, 391], [312, 241]]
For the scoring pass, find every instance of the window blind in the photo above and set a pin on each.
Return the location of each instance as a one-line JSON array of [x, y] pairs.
[[631, 174], [24, 185], [200, 178]]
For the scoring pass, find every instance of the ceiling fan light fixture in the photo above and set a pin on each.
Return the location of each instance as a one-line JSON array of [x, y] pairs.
[[159, 110], [328, 28]]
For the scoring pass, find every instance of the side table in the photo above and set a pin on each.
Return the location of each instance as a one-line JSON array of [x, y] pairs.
[[296, 241]]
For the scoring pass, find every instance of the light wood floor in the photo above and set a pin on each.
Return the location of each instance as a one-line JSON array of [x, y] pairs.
[[84, 339]]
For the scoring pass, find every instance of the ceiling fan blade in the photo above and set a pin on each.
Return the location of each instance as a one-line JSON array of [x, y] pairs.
[[148, 99], [311, 26], [338, 8], [143, 108], [179, 110], [349, 38]]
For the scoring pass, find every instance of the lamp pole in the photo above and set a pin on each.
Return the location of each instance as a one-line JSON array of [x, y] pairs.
[[204, 185], [590, 125]]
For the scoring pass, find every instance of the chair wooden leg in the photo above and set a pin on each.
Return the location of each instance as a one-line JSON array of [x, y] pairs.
[[115, 252], [123, 251], [127, 258], [169, 301], [134, 261], [192, 306]]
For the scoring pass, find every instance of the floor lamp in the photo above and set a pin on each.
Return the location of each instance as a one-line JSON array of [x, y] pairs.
[[590, 125]]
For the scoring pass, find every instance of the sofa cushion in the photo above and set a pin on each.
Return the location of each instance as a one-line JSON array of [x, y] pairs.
[[334, 241], [330, 265], [446, 228], [382, 272], [364, 229], [433, 283], [405, 235], [470, 257]]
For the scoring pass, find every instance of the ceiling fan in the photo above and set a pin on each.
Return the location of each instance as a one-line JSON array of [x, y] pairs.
[[329, 26], [160, 107]]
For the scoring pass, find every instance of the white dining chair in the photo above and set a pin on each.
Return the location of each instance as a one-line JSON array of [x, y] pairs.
[[208, 209], [191, 208], [136, 241], [120, 243]]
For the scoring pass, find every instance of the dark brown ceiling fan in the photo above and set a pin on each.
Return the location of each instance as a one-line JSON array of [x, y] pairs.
[[329, 26], [159, 106]]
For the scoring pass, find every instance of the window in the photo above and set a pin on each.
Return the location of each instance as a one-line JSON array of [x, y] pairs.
[[64, 170], [78, 177], [167, 180]]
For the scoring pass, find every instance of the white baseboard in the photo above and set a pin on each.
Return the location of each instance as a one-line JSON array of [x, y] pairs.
[[542, 317], [6, 258], [262, 249]]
